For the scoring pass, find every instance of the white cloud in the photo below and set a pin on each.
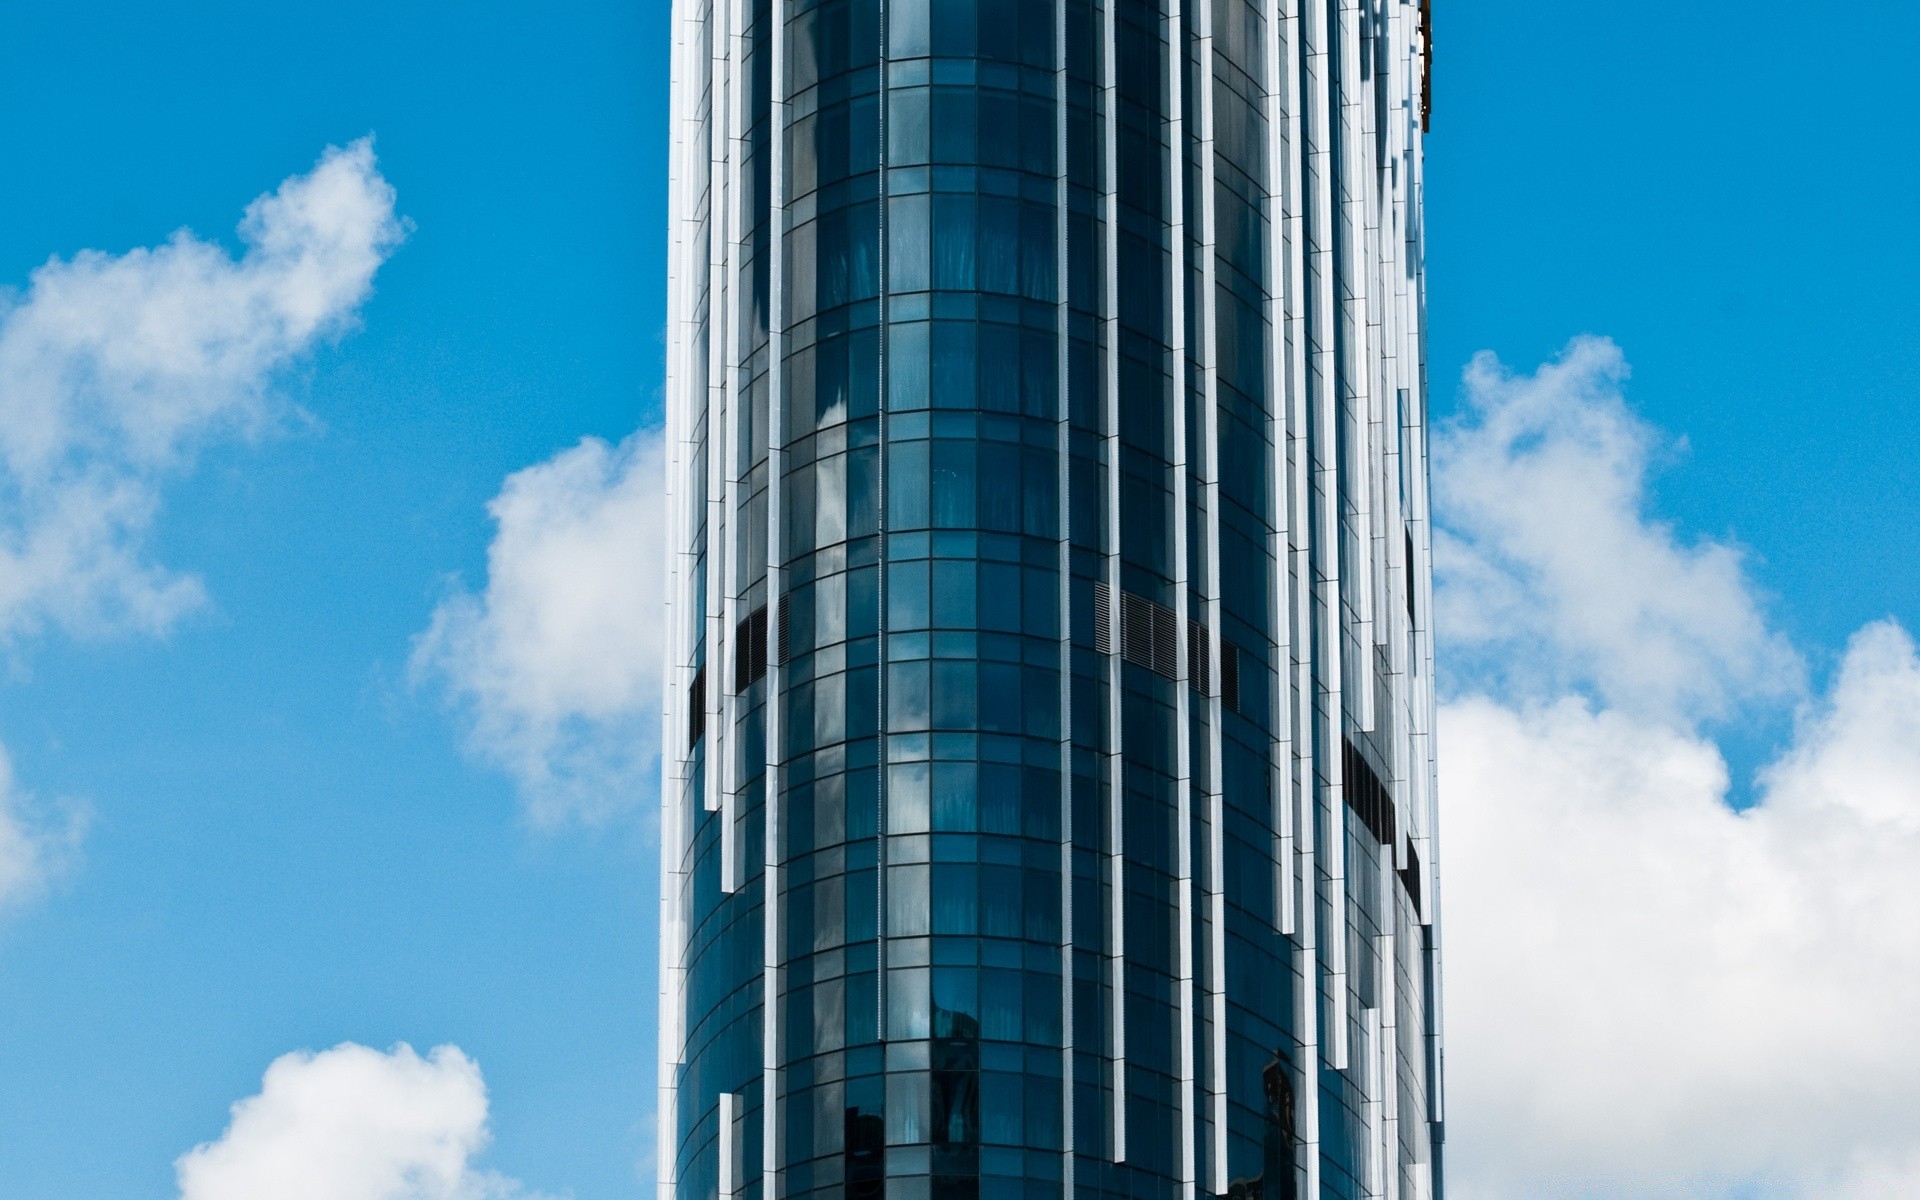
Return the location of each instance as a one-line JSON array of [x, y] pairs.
[[558, 658], [1649, 988], [36, 845], [352, 1123], [1553, 575], [115, 369], [1649, 992]]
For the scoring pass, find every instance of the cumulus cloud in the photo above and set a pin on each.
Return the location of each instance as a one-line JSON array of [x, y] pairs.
[[352, 1123], [37, 842], [557, 660], [1555, 577], [1651, 993], [116, 369]]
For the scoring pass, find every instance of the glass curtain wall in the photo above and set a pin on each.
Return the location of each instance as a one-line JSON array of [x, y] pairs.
[[1047, 783]]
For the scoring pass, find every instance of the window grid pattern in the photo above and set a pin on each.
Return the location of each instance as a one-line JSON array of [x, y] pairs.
[[1046, 413]]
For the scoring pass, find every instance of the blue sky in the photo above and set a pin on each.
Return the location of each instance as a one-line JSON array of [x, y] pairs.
[[303, 832]]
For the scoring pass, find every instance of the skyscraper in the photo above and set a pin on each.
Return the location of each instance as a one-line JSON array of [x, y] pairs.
[[1048, 797]]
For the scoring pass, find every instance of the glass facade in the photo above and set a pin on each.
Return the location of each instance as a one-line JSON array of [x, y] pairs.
[[1048, 805]]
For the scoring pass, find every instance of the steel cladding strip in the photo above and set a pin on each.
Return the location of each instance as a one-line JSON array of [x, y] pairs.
[[882, 399], [773, 882], [1063, 466], [1176, 233], [1304, 892], [1215, 897], [1110, 322], [673, 842], [739, 457], [1321, 114]]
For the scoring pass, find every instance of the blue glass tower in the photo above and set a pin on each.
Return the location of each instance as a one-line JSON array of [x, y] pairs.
[[1048, 797]]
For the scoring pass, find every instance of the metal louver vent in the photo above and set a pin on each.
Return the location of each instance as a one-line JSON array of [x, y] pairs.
[[1199, 661], [697, 708], [750, 650], [1148, 639], [1367, 796]]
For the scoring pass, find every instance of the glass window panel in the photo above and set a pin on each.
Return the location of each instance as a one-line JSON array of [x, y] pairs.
[[860, 236], [1042, 1113], [953, 114], [799, 919], [907, 803], [1040, 603], [1037, 135], [863, 492], [824, 514], [829, 1116], [953, 22], [800, 511], [908, 707], [833, 247], [907, 486], [1002, 1099], [999, 31], [953, 797], [956, 990], [1000, 901], [954, 902], [1040, 806], [1041, 908], [1042, 702], [1000, 368], [861, 902], [1000, 697], [999, 115], [830, 709], [907, 904], [800, 376], [953, 593], [906, 1104], [953, 369], [863, 603], [953, 695], [800, 270], [953, 242], [907, 1003], [908, 136], [798, 825], [1039, 258], [830, 610], [863, 132], [830, 813], [863, 373], [999, 798], [1040, 495], [907, 243], [1039, 379], [1000, 1003], [999, 597], [907, 28], [829, 1015], [862, 805], [999, 258], [829, 913], [907, 595], [1000, 487], [953, 484], [863, 1002], [799, 718], [907, 386]]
